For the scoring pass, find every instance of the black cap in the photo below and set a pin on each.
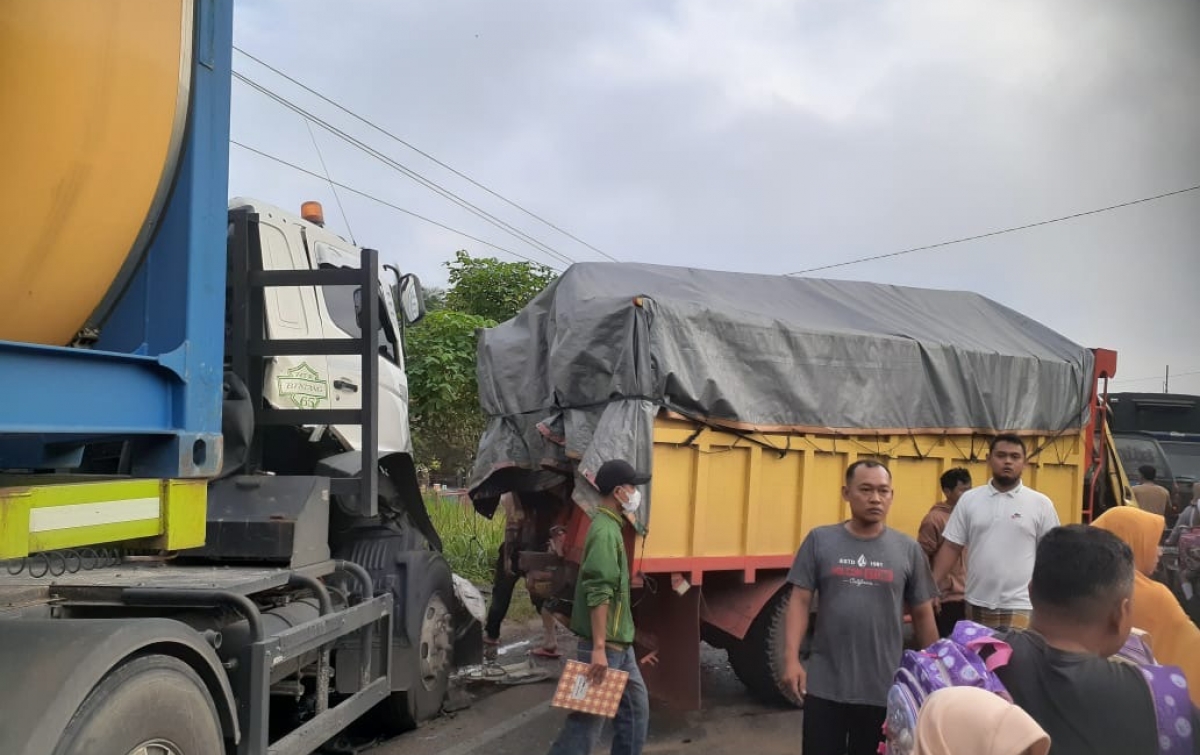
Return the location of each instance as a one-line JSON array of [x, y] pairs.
[[618, 472]]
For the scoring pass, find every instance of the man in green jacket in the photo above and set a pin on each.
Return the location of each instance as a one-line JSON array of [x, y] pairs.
[[602, 617]]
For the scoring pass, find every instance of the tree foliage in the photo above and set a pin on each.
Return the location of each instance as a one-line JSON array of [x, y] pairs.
[[497, 290], [435, 299], [444, 410]]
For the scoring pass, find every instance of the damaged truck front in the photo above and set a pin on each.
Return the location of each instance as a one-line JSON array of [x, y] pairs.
[[747, 396]]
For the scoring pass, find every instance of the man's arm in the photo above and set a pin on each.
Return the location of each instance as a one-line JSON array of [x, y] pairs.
[[599, 578], [954, 538], [929, 535], [795, 626], [924, 624], [599, 668], [947, 555]]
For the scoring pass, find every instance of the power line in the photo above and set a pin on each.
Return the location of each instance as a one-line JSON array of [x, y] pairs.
[[385, 203], [423, 153], [325, 168], [395, 165], [392, 163], [1155, 377], [996, 233]]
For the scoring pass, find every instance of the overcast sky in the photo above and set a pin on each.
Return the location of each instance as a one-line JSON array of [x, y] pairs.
[[768, 137]]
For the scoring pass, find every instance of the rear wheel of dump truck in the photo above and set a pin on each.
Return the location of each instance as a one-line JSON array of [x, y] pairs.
[[757, 659], [151, 705]]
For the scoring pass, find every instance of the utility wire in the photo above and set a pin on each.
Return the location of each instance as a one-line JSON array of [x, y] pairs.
[[333, 188], [1154, 377], [422, 153], [995, 233], [390, 162], [447, 194], [385, 203]]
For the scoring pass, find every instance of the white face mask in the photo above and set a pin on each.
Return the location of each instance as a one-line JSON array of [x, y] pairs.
[[634, 501]]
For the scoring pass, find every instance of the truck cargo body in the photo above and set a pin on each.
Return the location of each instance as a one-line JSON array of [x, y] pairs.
[[747, 397]]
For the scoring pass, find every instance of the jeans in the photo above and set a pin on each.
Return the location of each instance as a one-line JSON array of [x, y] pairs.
[[841, 728], [581, 732]]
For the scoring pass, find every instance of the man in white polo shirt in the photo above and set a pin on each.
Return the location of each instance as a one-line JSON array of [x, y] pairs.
[[1000, 524]]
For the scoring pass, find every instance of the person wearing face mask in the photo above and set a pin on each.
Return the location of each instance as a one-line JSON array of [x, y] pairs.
[[602, 617]]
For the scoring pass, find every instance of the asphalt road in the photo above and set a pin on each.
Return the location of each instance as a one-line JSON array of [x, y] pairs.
[[517, 720]]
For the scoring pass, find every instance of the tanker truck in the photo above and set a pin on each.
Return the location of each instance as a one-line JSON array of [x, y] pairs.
[[212, 534], [746, 397]]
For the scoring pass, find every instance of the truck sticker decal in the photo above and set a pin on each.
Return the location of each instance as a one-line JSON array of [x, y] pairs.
[[304, 386]]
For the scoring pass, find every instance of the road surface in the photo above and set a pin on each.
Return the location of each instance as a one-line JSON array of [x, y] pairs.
[[517, 720]]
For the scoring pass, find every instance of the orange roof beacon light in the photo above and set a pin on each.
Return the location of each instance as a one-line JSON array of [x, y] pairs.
[[313, 213]]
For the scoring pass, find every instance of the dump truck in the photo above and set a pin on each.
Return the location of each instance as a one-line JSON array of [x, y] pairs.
[[746, 397], [211, 531]]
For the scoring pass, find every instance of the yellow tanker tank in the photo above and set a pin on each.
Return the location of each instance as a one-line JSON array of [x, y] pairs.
[[94, 100]]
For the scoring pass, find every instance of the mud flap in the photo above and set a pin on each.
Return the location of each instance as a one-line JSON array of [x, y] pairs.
[[670, 623]]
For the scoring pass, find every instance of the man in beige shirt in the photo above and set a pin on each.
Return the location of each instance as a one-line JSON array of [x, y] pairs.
[[1150, 495], [954, 483]]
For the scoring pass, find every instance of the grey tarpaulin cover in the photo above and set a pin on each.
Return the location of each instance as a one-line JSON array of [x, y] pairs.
[[581, 371]]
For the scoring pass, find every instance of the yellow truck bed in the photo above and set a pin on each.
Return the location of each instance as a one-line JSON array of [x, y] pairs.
[[723, 501]]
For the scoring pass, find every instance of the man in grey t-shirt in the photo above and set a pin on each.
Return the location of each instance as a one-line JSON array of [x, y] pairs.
[[864, 573]]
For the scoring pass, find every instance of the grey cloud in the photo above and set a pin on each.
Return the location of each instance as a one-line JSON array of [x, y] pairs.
[[777, 136]]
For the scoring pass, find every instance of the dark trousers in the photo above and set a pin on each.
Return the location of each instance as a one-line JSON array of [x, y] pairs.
[[841, 728], [503, 584], [951, 613]]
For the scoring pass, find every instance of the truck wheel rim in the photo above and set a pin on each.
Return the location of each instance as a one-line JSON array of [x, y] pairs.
[[156, 747], [435, 642]]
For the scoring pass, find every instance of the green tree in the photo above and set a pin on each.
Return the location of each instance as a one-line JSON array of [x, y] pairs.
[[497, 290], [435, 299], [444, 410]]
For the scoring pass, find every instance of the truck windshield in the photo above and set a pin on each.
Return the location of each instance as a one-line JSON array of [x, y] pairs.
[[1136, 451], [1185, 458]]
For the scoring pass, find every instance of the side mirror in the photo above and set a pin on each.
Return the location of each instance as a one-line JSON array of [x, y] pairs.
[[412, 299]]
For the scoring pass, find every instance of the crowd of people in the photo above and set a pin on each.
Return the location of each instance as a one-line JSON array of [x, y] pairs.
[[1064, 600]]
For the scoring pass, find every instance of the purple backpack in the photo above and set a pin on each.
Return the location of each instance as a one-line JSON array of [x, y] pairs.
[[968, 658], [1169, 688], [972, 654]]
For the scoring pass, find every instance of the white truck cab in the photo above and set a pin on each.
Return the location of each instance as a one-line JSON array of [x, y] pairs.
[[290, 242]]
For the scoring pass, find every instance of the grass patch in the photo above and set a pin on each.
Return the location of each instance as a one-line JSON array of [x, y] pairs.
[[469, 541]]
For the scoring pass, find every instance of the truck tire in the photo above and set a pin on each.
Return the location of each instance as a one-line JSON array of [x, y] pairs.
[[432, 652], [757, 659], [151, 705]]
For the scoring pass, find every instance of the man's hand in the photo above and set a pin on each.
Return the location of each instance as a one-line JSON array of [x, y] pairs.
[[599, 666], [650, 659], [795, 679]]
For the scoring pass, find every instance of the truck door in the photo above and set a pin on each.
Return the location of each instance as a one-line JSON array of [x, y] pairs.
[[345, 371], [292, 382]]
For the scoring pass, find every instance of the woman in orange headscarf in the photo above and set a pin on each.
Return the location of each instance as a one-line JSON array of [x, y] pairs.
[[1173, 637]]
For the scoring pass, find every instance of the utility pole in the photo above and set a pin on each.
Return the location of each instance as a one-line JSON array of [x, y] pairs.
[[1167, 380]]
